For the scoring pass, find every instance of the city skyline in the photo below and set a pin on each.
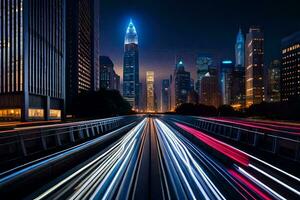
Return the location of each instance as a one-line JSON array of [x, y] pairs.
[[156, 43]]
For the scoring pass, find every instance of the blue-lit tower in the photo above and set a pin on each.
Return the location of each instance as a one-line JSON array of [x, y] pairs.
[[240, 49], [131, 67], [226, 71]]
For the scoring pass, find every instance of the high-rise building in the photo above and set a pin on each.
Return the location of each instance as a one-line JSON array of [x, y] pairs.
[[273, 81], [131, 67], [181, 83], [237, 97], [116, 81], [82, 48], [226, 71], [290, 71], [32, 59], [106, 73], [165, 95], [240, 49], [254, 66], [209, 90], [150, 91], [96, 40], [203, 63]]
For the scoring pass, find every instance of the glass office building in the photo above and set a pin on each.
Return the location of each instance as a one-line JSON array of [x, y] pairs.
[[32, 59]]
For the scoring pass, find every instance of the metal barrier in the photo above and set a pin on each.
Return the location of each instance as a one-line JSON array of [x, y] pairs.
[[277, 145], [24, 142]]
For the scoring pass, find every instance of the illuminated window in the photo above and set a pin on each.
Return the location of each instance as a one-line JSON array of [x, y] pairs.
[[36, 113], [55, 114], [10, 113]]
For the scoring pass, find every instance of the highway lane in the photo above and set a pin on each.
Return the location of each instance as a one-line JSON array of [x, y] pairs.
[[258, 175], [162, 158]]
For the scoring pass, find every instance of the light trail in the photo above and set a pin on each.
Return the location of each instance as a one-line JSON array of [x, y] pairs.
[[250, 158], [104, 171], [186, 165]]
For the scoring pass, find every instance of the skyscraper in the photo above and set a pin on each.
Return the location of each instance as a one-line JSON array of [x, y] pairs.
[[226, 71], [150, 91], [131, 67], [106, 73], [203, 63], [237, 97], [240, 49], [82, 51], [165, 95], [209, 90], [290, 71], [273, 81], [254, 66], [181, 83], [237, 87], [96, 45], [32, 59]]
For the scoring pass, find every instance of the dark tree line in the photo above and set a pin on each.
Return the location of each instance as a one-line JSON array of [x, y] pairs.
[[278, 110], [103, 103]]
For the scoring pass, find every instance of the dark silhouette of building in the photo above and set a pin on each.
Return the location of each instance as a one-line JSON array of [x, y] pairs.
[[131, 67], [32, 59], [82, 40], [165, 95], [290, 71], [181, 84], [273, 81], [237, 97], [209, 89], [254, 66]]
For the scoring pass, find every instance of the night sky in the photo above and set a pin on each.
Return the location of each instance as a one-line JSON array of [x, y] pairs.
[[167, 28]]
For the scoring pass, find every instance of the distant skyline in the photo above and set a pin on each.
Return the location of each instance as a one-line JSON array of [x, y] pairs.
[[167, 28]]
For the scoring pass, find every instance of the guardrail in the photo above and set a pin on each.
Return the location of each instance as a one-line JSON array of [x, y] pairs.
[[21, 181], [275, 144], [23, 142]]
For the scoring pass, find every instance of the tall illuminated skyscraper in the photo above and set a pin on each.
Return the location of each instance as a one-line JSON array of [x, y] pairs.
[[180, 85], [273, 81], [131, 67], [32, 59], [254, 66], [290, 70], [240, 49], [226, 71], [150, 91], [82, 49]]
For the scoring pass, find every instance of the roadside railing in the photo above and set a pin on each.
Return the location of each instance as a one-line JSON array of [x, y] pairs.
[[288, 147], [23, 142]]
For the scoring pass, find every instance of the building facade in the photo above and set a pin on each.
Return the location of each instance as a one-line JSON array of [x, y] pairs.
[[165, 95], [240, 49], [203, 63], [150, 91], [237, 97], [96, 40], [254, 66], [226, 70], [273, 81], [81, 48], [290, 71], [131, 67], [32, 59], [209, 90], [181, 83]]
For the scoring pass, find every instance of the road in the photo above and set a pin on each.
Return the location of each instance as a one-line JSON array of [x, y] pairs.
[[163, 158]]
